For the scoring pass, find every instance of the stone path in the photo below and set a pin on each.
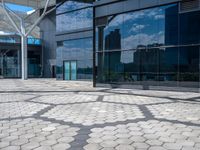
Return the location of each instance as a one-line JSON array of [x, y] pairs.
[[45, 114]]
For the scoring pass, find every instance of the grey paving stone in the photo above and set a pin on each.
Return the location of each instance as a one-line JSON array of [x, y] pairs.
[[125, 147], [113, 119], [172, 146], [4, 144], [92, 147], [30, 145], [108, 144], [11, 148], [61, 146]]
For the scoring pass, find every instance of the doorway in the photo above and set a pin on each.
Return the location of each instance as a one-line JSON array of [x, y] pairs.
[[70, 70]]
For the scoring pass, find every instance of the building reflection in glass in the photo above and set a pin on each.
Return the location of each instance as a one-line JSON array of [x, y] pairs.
[[150, 46], [73, 15], [79, 50]]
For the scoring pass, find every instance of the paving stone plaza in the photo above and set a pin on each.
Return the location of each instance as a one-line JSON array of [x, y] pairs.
[[45, 114]]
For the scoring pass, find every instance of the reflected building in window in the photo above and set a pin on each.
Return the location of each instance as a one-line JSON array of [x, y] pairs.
[[159, 46], [74, 26], [141, 43]]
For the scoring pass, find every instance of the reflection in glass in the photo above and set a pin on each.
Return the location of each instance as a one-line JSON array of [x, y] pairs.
[[73, 5], [74, 20], [189, 66], [149, 47], [79, 50], [73, 70], [10, 63], [67, 70]]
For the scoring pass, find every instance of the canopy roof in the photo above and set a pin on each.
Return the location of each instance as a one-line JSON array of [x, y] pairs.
[[5, 25], [31, 3]]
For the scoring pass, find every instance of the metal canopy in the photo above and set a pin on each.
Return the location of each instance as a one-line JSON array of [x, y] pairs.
[[6, 26], [29, 19], [31, 3]]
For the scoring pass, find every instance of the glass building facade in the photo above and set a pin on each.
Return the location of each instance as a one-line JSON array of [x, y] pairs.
[[80, 51], [74, 19], [157, 47], [10, 57], [153, 46]]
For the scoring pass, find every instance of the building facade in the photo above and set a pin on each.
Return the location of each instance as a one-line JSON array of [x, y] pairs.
[[74, 31], [10, 57], [133, 43]]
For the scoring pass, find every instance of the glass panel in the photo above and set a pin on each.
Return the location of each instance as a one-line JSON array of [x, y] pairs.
[[67, 71], [88, 69], [34, 65], [189, 28], [149, 65], [168, 66], [59, 63], [74, 20], [81, 70], [11, 65], [73, 5], [169, 24], [189, 67], [73, 70], [79, 50], [1, 65], [139, 35]]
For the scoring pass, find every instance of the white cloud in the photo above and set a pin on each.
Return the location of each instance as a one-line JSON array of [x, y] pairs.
[[150, 13], [120, 19], [133, 41], [137, 27], [76, 20], [157, 17]]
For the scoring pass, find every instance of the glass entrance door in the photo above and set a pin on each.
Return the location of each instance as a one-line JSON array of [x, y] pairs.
[[73, 70], [66, 70], [70, 70]]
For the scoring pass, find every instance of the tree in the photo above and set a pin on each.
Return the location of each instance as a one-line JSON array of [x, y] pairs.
[[23, 33]]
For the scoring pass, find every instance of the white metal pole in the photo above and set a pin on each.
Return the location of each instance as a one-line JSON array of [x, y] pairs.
[[24, 57]]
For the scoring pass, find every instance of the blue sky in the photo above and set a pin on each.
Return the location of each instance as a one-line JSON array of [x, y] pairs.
[[18, 7]]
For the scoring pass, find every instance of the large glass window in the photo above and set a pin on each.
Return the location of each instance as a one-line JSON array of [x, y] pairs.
[[79, 50], [154, 46], [189, 66], [77, 15], [71, 5], [189, 28]]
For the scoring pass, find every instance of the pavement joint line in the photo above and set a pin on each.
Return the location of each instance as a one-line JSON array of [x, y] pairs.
[[102, 91], [177, 122], [83, 134], [70, 103], [146, 112], [80, 140], [43, 111], [15, 118], [100, 98]]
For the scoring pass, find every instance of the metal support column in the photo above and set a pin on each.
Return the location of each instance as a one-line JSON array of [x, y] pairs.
[[24, 57]]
